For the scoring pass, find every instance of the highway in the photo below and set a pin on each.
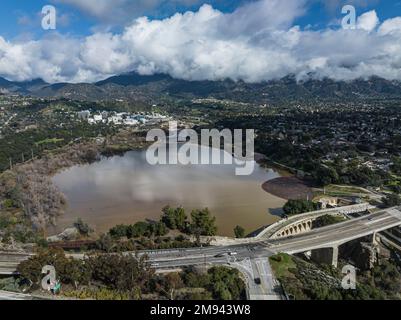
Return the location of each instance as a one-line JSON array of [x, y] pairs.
[[9, 261], [337, 234], [5, 295], [267, 288], [252, 258], [325, 237]]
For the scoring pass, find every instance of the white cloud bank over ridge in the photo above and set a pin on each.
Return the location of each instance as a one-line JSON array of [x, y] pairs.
[[256, 42]]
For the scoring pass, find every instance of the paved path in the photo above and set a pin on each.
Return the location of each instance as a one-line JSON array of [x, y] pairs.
[[5, 295]]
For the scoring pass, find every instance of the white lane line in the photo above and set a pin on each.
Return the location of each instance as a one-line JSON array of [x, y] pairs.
[[376, 221], [395, 213]]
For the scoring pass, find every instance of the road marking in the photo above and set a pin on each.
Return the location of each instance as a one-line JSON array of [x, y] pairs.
[[375, 221], [395, 213]]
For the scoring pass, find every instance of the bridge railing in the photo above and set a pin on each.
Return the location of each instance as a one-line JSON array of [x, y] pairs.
[[313, 214]]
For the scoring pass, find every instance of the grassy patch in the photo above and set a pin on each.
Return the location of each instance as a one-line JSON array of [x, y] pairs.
[[344, 190], [328, 220], [281, 264]]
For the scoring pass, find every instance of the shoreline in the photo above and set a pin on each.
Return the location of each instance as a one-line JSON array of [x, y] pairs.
[[288, 188], [276, 206], [75, 155]]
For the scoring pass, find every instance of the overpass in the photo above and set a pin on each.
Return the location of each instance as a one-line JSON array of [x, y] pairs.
[[325, 241], [10, 260], [330, 237], [302, 223]]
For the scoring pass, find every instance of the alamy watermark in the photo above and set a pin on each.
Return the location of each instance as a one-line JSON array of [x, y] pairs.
[[185, 147], [49, 281], [49, 20], [349, 20], [349, 280]]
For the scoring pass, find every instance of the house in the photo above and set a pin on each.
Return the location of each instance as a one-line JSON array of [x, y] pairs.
[[84, 115], [328, 202]]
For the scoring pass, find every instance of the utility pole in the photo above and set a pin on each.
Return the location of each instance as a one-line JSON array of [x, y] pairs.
[[23, 158], [11, 163], [32, 154]]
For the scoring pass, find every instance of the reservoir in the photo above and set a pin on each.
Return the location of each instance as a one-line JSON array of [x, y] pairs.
[[126, 189]]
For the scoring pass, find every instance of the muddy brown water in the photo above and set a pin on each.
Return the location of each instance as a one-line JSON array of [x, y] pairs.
[[127, 189]]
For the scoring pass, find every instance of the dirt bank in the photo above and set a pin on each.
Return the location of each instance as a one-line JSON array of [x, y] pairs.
[[288, 188]]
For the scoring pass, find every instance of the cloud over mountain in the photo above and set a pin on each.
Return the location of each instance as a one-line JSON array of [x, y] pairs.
[[258, 41]]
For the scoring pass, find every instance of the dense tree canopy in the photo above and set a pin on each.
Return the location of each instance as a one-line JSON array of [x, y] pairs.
[[203, 223], [293, 207]]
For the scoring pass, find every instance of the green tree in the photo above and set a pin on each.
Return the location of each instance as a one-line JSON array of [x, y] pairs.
[[181, 219], [326, 220], [239, 232], [158, 229], [173, 283], [168, 218], [119, 231], [175, 218], [119, 272], [325, 175], [105, 243], [83, 228], [66, 269], [139, 229], [225, 283], [293, 207], [396, 167], [392, 200], [203, 224]]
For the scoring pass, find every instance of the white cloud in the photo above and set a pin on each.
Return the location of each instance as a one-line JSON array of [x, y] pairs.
[[258, 41], [368, 21], [391, 26]]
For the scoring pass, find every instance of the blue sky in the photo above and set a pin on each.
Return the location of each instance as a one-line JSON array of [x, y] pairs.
[[250, 40], [21, 18]]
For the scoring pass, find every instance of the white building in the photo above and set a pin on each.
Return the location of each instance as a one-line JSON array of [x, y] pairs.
[[97, 118]]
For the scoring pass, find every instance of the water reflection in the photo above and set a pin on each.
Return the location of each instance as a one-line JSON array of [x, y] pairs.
[[127, 189]]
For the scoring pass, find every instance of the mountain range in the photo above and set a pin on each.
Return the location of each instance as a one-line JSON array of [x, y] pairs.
[[135, 87]]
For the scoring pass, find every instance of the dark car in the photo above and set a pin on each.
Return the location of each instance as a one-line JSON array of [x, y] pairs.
[[258, 281]]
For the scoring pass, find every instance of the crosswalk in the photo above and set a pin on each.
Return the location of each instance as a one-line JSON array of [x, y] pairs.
[[259, 268]]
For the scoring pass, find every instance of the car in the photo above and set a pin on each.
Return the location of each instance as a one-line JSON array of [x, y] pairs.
[[258, 281], [232, 253]]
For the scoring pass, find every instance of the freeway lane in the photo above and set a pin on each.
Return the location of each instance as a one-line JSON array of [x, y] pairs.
[[337, 234], [320, 238], [333, 235], [5, 295], [208, 256], [9, 262]]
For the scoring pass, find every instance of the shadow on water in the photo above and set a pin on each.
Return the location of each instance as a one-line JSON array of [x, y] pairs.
[[278, 212]]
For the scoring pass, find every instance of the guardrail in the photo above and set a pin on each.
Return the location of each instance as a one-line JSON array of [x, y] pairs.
[[314, 214]]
